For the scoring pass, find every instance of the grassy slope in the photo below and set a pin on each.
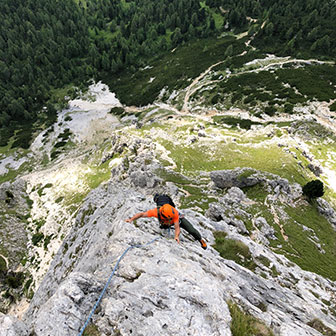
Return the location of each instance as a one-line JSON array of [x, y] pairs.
[[231, 148], [172, 70]]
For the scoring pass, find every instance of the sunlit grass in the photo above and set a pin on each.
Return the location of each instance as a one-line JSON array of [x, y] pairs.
[[306, 230]]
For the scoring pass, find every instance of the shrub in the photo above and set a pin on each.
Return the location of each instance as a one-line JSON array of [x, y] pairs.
[[288, 108], [37, 237], [313, 189], [119, 111], [60, 144], [215, 99], [332, 107], [65, 135], [270, 110], [15, 280], [91, 330], [47, 240]]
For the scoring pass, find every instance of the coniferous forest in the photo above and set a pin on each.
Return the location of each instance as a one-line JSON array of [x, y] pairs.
[[47, 45]]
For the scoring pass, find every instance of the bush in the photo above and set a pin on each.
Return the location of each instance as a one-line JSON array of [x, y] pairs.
[[269, 110], [313, 189], [119, 111], [215, 99], [15, 280], [37, 237], [332, 107], [289, 108]]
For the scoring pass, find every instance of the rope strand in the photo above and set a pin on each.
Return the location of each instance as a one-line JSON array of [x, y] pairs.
[[108, 282]]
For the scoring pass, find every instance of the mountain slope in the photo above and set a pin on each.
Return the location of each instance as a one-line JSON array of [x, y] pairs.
[[233, 137], [255, 212], [155, 282]]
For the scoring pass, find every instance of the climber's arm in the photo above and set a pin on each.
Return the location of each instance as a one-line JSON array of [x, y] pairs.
[[136, 216], [177, 231], [149, 213]]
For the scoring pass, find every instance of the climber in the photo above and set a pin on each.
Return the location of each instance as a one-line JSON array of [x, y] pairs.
[[167, 215]]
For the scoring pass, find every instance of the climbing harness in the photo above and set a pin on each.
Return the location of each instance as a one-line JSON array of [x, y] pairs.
[[108, 282]]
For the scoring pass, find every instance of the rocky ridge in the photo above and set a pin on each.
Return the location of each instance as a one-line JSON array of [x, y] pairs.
[[165, 288]]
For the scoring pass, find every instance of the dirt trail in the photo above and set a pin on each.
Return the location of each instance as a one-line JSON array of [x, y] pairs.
[[325, 117], [276, 218], [191, 88]]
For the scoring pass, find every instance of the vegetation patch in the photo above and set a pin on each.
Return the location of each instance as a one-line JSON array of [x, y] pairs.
[[311, 240], [234, 250], [195, 195], [40, 191], [236, 122], [305, 250], [172, 70], [263, 260], [332, 107], [91, 330], [15, 279], [46, 241], [65, 135], [192, 159], [257, 192], [118, 111], [37, 237], [245, 324], [320, 327], [280, 90], [3, 265]]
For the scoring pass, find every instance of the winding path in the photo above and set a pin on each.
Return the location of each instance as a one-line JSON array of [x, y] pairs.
[[192, 89]]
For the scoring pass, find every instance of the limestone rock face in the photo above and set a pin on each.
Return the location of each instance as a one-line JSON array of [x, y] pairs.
[[265, 228], [165, 288], [14, 203], [317, 170], [234, 178], [11, 326], [325, 209]]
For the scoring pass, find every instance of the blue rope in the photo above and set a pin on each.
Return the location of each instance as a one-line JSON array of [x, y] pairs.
[[108, 282]]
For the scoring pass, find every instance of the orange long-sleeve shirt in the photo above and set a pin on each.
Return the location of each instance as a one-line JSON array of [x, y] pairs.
[[154, 213]]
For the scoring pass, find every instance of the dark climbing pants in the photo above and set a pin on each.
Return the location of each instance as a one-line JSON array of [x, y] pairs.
[[186, 225]]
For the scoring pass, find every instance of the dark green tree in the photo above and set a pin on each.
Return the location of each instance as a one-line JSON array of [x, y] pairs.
[[313, 189]]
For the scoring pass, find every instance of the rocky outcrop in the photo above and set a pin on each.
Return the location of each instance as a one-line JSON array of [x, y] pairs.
[[317, 170], [239, 177], [279, 188], [14, 211], [227, 209], [11, 326], [167, 288], [326, 210]]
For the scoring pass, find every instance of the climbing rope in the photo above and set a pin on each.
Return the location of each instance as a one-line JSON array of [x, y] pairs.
[[108, 282]]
